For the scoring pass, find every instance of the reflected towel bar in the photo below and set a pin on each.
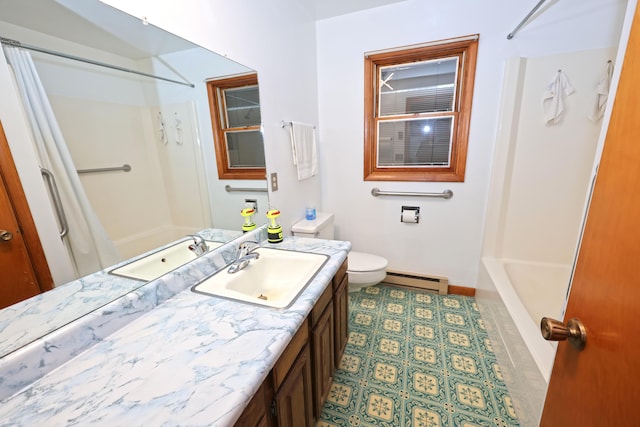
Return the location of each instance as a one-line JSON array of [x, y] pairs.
[[230, 189], [124, 167], [446, 194], [284, 124]]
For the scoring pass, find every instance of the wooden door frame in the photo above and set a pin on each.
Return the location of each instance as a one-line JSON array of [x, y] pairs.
[[23, 213]]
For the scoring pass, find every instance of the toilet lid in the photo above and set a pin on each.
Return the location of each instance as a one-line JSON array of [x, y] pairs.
[[359, 261]]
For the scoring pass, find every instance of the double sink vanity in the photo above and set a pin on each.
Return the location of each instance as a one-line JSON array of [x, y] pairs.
[[195, 346]]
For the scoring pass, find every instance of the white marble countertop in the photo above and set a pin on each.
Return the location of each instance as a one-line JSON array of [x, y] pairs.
[[190, 360]]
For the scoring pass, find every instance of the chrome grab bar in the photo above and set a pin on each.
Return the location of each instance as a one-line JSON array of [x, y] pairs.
[[230, 189], [125, 167], [57, 202], [446, 194]]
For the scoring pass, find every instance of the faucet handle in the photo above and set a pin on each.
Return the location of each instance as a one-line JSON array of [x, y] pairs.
[[247, 246]]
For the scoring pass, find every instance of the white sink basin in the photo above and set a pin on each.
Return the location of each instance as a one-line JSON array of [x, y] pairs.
[[161, 262], [274, 279]]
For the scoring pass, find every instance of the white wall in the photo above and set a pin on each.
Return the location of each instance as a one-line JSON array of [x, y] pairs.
[[448, 239], [276, 38]]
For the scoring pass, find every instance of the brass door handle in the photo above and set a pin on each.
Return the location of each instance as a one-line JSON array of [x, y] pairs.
[[555, 330], [5, 235]]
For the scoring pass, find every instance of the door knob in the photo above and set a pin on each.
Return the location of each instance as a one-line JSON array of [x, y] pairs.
[[555, 330], [6, 235]]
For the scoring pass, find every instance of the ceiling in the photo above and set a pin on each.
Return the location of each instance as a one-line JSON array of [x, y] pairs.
[[323, 9], [101, 26], [96, 21]]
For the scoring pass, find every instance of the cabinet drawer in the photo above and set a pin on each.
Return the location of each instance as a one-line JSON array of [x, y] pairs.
[[289, 355], [337, 279], [320, 305]]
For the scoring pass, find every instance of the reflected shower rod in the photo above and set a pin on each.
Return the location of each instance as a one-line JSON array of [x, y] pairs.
[[16, 43], [526, 18]]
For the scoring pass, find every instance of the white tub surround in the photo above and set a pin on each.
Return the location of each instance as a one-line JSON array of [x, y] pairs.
[[191, 360], [533, 221]]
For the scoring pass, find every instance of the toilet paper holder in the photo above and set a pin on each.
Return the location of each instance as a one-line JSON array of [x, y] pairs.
[[410, 214]]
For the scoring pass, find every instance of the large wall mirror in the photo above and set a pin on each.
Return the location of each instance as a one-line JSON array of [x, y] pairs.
[[154, 132]]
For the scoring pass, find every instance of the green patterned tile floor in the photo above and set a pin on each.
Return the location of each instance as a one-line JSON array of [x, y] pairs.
[[419, 359]]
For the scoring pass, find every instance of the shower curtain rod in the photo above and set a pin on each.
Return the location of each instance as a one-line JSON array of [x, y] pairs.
[[88, 61], [526, 18]]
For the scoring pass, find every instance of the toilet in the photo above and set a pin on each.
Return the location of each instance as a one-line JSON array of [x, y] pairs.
[[364, 269]]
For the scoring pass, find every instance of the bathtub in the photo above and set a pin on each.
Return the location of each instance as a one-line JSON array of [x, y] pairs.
[[147, 240], [513, 296]]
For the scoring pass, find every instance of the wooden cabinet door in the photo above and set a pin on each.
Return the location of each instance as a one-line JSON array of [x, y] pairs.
[[598, 386], [255, 414], [294, 399], [323, 357], [341, 318]]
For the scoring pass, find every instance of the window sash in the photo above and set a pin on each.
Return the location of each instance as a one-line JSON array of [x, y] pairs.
[[237, 155], [437, 91], [465, 49], [417, 142], [220, 119]]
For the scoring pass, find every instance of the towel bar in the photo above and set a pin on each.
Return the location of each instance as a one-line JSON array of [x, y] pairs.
[[446, 194]]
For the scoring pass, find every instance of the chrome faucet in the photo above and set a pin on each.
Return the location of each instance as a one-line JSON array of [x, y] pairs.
[[245, 255], [199, 246]]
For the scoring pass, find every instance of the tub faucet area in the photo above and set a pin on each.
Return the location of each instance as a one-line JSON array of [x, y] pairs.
[[245, 255], [199, 246]]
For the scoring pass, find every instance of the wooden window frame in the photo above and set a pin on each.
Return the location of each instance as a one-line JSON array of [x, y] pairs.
[[217, 109], [464, 47]]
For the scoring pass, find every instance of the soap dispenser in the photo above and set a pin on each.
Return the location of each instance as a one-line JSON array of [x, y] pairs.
[[274, 231]]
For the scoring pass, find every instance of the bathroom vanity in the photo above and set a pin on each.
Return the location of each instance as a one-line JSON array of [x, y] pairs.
[[164, 355]]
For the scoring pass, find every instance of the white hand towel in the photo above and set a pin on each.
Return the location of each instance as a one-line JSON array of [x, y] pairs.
[[602, 93], [303, 146], [552, 100]]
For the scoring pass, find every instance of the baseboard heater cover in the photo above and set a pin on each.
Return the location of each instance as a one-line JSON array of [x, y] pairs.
[[416, 280]]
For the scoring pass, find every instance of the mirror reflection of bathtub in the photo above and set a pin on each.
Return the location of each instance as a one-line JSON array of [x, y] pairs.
[[109, 118]]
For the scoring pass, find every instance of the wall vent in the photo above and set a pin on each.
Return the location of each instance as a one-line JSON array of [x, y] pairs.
[[416, 280]]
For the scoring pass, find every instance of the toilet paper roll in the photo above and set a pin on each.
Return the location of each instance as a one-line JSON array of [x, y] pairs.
[[409, 216]]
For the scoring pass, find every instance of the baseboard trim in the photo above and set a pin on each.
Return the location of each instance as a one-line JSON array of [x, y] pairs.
[[462, 290], [418, 280]]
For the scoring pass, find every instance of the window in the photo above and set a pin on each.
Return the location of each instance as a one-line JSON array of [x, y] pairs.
[[417, 111], [234, 104]]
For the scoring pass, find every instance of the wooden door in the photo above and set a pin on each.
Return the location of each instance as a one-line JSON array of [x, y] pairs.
[[600, 385], [23, 267]]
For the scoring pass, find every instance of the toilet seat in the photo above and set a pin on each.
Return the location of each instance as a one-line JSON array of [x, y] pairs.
[[362, 262]]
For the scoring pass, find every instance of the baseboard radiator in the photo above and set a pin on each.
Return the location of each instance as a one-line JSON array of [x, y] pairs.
[[416, 280]]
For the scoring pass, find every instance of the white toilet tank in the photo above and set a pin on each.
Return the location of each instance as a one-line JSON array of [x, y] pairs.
[[319, 228], [364, 269]]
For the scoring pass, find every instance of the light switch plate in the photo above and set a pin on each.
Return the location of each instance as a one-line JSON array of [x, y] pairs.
[[274, 181]]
